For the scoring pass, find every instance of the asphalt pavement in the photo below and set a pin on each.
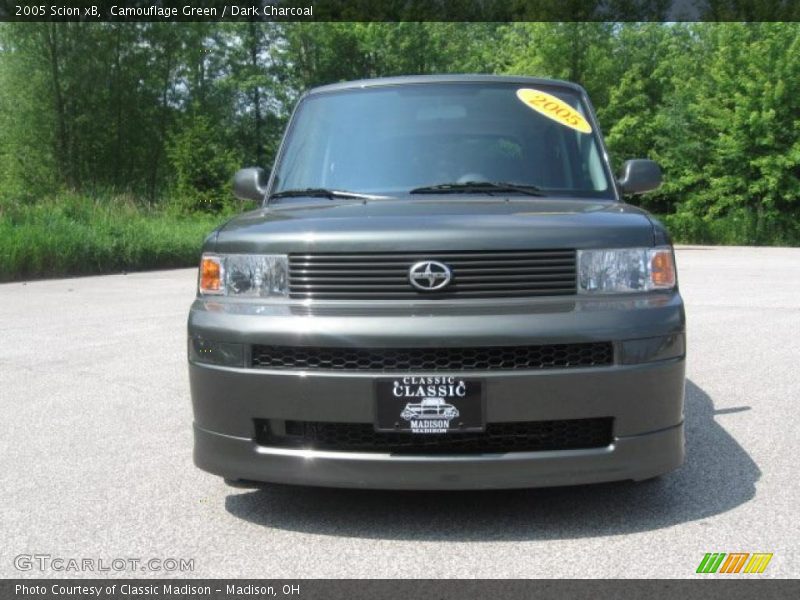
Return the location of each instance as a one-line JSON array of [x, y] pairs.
[[96, 444]]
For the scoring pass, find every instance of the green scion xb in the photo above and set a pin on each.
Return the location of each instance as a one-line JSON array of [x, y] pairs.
[[442, 288]]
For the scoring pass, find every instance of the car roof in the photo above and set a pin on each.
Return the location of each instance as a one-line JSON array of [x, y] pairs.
[[423, 79]]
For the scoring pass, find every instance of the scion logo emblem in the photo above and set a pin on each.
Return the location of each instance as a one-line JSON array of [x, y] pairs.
[[429, 275]]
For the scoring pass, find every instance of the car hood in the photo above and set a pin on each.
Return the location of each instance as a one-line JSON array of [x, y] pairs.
[[436, 224]]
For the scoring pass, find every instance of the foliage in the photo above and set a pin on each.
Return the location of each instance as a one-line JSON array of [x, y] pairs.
[[76, 234], [739, 228], [716, 104], [203, 161]]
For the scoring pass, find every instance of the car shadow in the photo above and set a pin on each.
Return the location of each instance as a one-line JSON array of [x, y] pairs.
[[718, 475]]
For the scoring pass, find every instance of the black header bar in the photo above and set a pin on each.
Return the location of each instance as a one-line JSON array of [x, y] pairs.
[[95, 11]]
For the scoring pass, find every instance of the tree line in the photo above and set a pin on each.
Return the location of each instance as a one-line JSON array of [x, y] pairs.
[[166, 112]]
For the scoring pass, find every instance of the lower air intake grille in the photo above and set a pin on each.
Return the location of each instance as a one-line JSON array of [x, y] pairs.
[[548, 356], [498, 438]]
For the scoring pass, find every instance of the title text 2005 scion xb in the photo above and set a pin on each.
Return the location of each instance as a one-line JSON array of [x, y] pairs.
[[442, 289]]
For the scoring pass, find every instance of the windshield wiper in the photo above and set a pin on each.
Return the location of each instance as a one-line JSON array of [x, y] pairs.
[[324, 193], [479, 187]]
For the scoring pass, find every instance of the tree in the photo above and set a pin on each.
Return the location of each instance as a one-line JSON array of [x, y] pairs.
[[746, 131]]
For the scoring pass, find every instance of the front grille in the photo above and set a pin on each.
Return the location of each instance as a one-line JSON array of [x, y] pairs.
[[549, 356], [384, 276], [498, 438]]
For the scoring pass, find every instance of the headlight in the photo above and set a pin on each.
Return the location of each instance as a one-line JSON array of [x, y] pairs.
[[244, 275], [625, 270]]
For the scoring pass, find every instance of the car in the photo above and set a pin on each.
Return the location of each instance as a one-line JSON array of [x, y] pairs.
[[456, 237], [429, 408]]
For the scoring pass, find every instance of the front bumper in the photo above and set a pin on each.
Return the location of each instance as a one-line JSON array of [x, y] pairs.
[[633, 457], [644, 399]]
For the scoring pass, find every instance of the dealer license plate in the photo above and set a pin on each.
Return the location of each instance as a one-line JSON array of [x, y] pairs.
[[429, 404]]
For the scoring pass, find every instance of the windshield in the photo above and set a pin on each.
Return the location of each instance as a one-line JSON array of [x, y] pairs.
[[395, 139]]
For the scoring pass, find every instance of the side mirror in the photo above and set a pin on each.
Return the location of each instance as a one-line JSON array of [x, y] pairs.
[[639, 176], [250, 184]]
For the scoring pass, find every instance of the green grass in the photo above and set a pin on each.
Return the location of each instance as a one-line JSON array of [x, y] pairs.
[[739, 229], [77, 235]]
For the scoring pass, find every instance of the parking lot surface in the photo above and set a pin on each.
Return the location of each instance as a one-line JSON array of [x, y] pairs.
[[96, 444]]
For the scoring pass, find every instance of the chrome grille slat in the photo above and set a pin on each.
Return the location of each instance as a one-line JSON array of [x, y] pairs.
[[562, 262], [395, 271], [344, 280], [514, 277], [509, 254], [383, 295], [475, 274], [454, 287]]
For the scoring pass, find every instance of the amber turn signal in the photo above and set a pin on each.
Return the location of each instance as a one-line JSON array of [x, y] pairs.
[[662, 269], [210, 275]]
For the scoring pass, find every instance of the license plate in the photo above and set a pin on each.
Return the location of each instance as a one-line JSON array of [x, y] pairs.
[[429, 405]]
